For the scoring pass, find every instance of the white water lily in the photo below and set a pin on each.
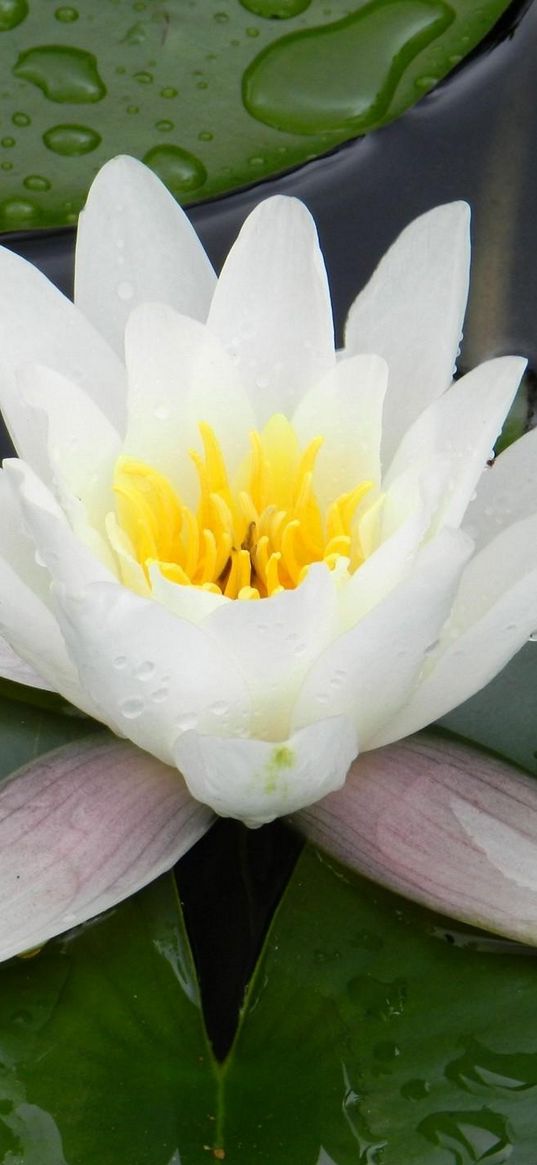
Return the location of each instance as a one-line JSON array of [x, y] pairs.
[[250, 557]]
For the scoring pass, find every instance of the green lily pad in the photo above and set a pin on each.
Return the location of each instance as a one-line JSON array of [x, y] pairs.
[[212, 96], [376, 1034]]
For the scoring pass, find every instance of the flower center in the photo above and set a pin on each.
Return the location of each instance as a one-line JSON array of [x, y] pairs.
[[248, 540]]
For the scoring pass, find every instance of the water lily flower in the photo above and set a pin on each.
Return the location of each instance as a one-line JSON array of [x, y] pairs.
[[253, 557]]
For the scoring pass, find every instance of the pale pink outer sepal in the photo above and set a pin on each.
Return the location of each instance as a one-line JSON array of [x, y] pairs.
[[82, 828], [442, 823]]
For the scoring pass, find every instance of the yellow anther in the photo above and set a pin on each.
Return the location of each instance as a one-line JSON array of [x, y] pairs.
[[248, 540]]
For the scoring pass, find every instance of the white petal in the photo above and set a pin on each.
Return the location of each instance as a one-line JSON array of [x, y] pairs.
[[81, 829], [461, 429], [411, 312], [39, 324], [190, 603], [150, 675], [367, 673], [345, 408], [68, 440], [271, 307], [179, 374], [12, 667], [494, 612], [258, 780], [135, 244], [385, 568], [444, 824], [507, 491], [273, 641]]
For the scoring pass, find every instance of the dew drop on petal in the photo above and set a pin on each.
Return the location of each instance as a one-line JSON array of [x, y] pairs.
[[144, 670], [132, 708]]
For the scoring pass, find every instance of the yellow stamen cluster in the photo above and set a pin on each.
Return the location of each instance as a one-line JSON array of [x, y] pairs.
[[245, 542]]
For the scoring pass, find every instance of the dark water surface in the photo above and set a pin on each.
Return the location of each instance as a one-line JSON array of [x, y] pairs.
[[472, 138]]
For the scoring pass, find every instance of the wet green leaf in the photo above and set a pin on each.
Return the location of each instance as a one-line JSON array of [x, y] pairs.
[[382, 1034], [212, 96]]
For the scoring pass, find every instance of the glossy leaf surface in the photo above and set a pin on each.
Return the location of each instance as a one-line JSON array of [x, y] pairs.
[[212, 96], [379, 1032]]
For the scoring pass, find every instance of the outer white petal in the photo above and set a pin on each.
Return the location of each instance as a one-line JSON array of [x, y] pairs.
[[148, 674], [73, 448], [461, 429], [411, 312], [345, 408], [506, 492], [258, 780], [494, 612], [135, 244], [39, 324], [367, 673], [271, 307], [81, 829], [442, 823], [385, 568], [12, 667], [27, 619], [179, 374], [274, 641]]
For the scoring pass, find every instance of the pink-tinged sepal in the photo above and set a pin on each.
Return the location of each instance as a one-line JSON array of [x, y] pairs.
[[442, 823]]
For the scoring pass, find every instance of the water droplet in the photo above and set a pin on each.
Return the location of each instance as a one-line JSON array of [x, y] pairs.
[[160, 695], [161, 412], [164, 126], [18, 213], [62, 73], [186, 721], [256, 160], [378, 1000], [221, 17], [143, 77], [276, 9], [6, 165], [71, 140], [66, 15], [36, 182], [340, 76], [21, 119], [132, 708], [8, 143], [202, 84], [125, 290], [252, 32], [177, 168], [220, 708], [120, 662], [415, 1090], [12, 13], [144, 670], [469, 1136], [386, 1050], [133, 108], [479, 1068], [22, 1016], [205, 136], [168, 91]]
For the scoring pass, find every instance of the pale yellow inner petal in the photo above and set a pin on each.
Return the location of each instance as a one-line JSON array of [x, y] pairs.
[[248, 539]]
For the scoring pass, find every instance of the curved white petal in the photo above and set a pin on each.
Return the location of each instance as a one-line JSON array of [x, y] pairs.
[[460, 428], [271, 308], [13, 667], [178, 375], [411, 312], [39, 324], [442, 823], [68, 440], [273, 642], [494, 612], [81, 829], [367, 673], [135, 244], [507, 491], [385, 568], [258, 780], [345, 408]]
